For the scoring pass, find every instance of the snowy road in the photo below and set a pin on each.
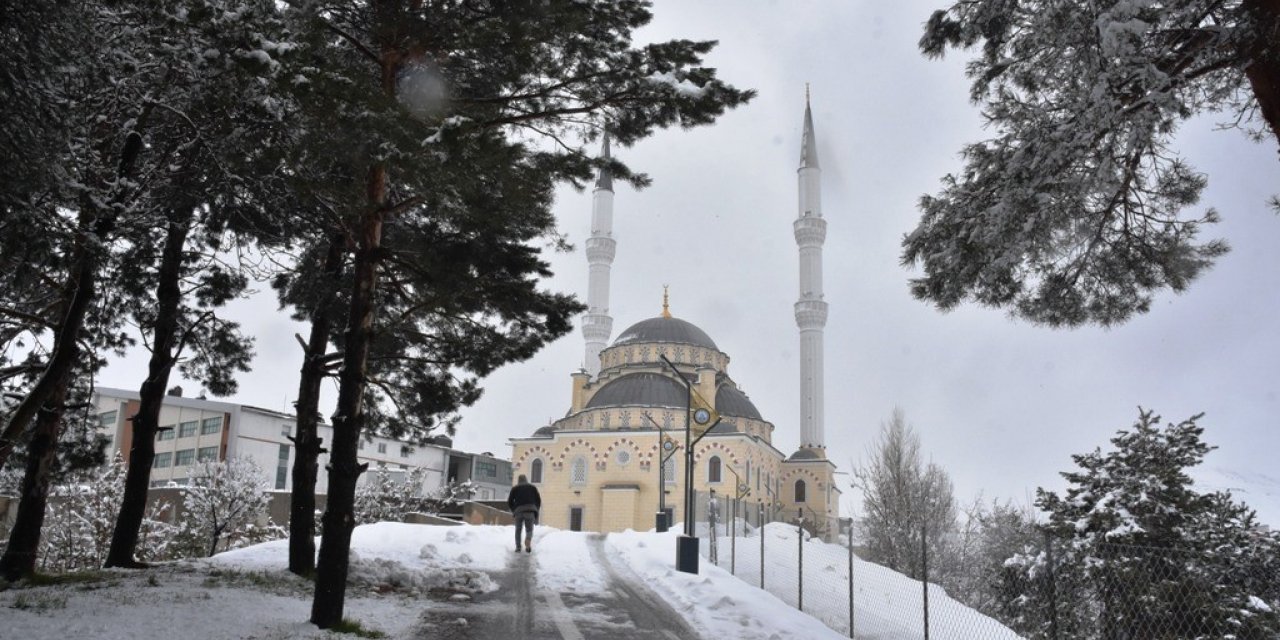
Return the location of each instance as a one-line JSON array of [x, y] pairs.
[[580, 595]]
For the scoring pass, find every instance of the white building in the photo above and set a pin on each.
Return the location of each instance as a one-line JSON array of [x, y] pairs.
[[195, 429]]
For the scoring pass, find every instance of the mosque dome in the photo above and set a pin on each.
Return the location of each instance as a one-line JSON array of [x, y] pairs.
[[730, 401], [665, 329], [656, 390], [640, 389], [545, 432]]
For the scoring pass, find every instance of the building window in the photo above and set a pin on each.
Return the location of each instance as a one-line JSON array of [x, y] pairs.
[[800, 491], [211, 425], [404, 451], [535, 471], [165, 433], [487, 469], [286, 429], [747, 477], [669, 470], [713, 469], [162, 460], [184, 457], [107, 419], [187, 429], [207, 454], [382, 447], [575, 518], [579, 471], [282, 468]]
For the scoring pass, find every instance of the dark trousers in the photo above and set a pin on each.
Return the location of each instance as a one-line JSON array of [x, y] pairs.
[[524, 520]]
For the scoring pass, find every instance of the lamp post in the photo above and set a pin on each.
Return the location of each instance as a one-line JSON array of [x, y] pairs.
[[666, 449], [687, 544], [741, 490]]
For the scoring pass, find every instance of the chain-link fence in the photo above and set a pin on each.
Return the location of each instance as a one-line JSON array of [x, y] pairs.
[[1058, 591]]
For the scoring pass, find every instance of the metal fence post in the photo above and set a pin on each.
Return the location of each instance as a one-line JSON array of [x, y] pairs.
[[800, 566], [924, 575], [850, 541], [733, 541], [1053, 587], [760, 528]]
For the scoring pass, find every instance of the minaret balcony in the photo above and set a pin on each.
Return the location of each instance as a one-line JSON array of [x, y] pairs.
[[601, 249], [596, 327], [811, 314], [811, 231]]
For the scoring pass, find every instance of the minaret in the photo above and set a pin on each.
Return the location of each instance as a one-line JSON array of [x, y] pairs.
[[596, 322], [811, 309]]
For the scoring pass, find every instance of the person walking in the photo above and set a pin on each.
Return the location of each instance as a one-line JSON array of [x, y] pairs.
[[525, 502]]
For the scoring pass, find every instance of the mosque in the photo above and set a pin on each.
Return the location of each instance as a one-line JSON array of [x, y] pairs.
[[597, 468]]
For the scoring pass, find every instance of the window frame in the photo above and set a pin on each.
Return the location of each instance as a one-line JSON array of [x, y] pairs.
[[535, 471], [579, 464], [183, 431], [715, 471], [801, 491], [211, 425]]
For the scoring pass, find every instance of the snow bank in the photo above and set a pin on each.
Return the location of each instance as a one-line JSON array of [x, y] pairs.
[[887, 603], [715, 603]]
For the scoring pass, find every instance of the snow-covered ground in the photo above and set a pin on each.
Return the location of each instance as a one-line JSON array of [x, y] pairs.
[[400, 571]]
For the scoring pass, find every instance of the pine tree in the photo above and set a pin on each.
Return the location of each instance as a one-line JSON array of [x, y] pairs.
[[1075, 211], [1137, 548], [445, 127]]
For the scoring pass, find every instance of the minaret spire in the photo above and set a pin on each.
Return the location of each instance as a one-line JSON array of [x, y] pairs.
[[811, 310], [597, 324], [666, 309]]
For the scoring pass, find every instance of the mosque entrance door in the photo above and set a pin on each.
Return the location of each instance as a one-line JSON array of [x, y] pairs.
[[575, 518]]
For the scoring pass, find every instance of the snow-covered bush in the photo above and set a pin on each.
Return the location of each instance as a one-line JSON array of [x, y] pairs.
[[223, 505], [387, 497], [81, 515]]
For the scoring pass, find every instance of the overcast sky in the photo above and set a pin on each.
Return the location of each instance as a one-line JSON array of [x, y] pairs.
[[1000, 404]]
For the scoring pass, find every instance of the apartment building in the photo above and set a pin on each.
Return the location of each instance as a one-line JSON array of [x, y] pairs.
[[197, 429]]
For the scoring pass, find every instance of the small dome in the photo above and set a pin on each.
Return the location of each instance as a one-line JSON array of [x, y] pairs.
[[545, 432], [662, 329], [730, 401], [640, 389]]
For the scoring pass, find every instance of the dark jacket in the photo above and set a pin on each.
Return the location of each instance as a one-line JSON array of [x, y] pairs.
[[524, 498]]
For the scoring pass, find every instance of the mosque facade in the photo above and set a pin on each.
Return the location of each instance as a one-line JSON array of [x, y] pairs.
[[598, 468]]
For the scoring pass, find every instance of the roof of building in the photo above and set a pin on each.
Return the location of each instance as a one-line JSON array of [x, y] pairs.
[[640, 389], [805, 454], [731, 401], [656, 390], [544, 432], [662, 329]]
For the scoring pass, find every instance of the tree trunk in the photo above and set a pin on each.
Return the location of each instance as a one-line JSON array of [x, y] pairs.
[[146, 422], [344, 470], [302, 506], [19, 560], [1263, 67]]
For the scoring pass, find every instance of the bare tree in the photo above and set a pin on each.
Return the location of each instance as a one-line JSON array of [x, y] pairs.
[[904, 499]]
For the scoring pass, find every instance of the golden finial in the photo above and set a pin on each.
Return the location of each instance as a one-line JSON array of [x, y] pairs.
[[666, 311]]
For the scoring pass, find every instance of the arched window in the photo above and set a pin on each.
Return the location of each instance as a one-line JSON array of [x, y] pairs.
[[713, 469], [669, 470], [800, 491], [579, 471], [535, 471]]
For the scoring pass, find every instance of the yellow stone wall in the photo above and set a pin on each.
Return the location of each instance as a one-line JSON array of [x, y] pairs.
[[619, 507]]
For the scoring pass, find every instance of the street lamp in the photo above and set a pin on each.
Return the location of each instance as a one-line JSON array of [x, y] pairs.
[[687, 544], [666, 449]]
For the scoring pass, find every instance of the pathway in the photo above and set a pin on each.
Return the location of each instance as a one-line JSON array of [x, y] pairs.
[[523, 608]]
